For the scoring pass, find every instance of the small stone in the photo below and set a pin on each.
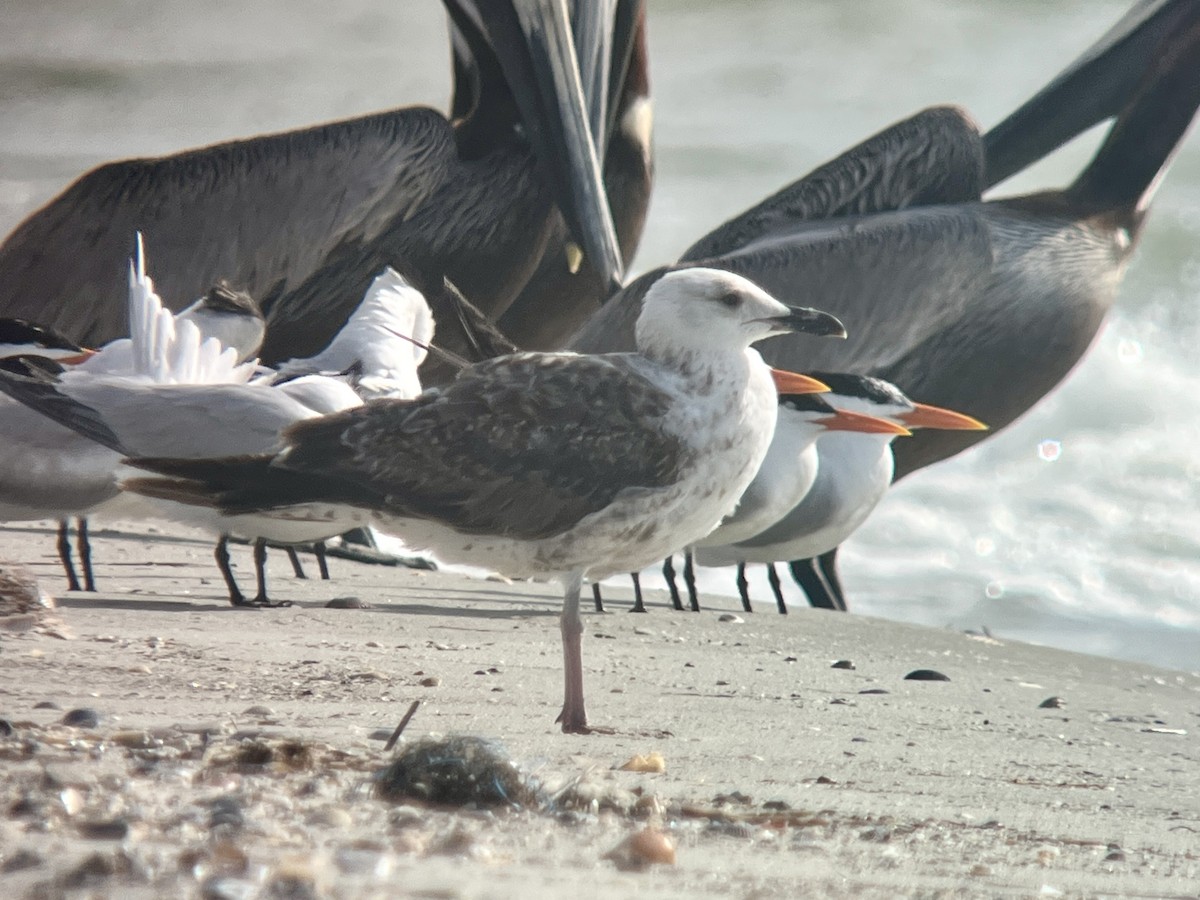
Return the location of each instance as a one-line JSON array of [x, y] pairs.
[[363, 858], [1052, 703], [262, 712], [824, 779], [979, 870], [730, 617], [226, 812], [46, 704], [1047, 856], [72, 801], [293, 879], [842, 664], [877, 834], [348, 603], [875, 691], [84, 717], [1115, 856], [98, 868], [430, 681], [7, 729], [777, 805], [926, 675], [20, 860], [652, 763], [104, 829], [642, 849], [135, 740], [220, 887], [332, 817]]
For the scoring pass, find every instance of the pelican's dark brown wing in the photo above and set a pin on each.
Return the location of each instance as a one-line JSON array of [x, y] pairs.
[[933, 157], [264, 214]]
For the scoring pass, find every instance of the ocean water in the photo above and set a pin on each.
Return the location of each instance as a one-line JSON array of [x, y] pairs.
[[1077, 527]]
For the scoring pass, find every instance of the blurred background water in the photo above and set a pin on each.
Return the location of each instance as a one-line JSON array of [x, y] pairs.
[[1077, 527]]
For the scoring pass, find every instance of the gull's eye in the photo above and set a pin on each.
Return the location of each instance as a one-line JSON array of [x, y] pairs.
[[732, 300]]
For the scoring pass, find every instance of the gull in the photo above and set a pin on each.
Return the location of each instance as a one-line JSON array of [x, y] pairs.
[[48, 471], [125, 416], [547, 465]]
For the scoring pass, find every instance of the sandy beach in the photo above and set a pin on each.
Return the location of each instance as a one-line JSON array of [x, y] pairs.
[[234, 752]]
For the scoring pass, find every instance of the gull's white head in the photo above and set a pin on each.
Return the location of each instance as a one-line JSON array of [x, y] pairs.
[[232, 317], [708, 310]]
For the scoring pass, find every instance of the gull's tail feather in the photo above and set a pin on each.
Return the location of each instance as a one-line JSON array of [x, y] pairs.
[[234, 485]]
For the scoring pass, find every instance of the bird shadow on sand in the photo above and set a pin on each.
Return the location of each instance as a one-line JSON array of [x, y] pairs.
[[158, 603]]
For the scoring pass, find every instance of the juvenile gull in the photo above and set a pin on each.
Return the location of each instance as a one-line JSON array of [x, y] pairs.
[[551, 465]]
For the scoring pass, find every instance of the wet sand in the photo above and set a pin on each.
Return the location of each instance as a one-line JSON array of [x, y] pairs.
[[235, 749]]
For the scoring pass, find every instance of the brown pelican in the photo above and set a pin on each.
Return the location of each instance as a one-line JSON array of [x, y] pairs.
[[968, 304], [305, 219]]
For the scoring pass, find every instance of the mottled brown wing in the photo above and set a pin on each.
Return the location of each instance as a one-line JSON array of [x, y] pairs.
[[933, 157], [524, 446]]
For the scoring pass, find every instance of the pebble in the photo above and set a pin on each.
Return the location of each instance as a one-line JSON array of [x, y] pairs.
[[6, 728], [332, 817], [20, 860], [730, 617], [643, 849], [263, 712], [105, 829], [842, 664], [293, 879], [926, 675], [653, 763], [222, 888], [226, 812], [363, 858], [100, 867], [84, 717], [430, 681], [72, 801], [1052, 703], [347, 603], [46, 704], [136, 740]]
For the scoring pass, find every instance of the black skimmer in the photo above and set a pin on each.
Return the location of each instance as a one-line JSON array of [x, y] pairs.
[[545, 465], [966, 303], [853, 471]]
